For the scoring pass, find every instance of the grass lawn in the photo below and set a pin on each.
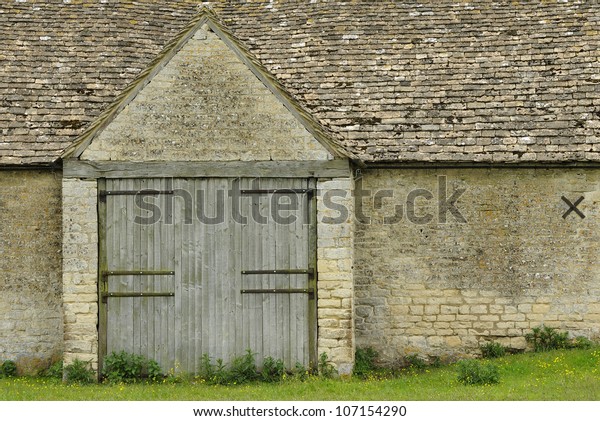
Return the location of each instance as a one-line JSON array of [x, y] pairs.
[[556, 375]]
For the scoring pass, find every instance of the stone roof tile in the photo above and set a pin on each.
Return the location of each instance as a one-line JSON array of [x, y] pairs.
[[433, 81]]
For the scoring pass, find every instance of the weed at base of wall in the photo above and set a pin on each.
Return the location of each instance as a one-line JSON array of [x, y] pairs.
[[475, 372], [123, 367], [544, 338], [79, 372], [243, 370], [8, 369], [492, 350]]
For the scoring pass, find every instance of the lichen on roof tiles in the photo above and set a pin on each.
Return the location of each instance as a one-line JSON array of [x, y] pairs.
[[438, 81]]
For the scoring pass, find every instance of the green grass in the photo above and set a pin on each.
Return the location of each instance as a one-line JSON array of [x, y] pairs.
[[556, 375]]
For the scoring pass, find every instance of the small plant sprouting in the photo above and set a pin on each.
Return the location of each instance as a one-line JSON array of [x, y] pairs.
[[214, 373], [325, 368], [273, 370], [243, 369], [475, 372], [207, 370], [154, 371], [436, 361], [300, 372], [364, 361], [79, 372], [492, 350], [221, 374], [8, 369], [124, 367], [414, 362], [55, 371], [546, 338], [581, 342]]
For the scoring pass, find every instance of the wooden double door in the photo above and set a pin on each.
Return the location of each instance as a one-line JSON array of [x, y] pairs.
[[211, 266]]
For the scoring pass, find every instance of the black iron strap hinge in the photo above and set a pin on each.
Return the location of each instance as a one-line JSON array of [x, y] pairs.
[[107, 295], [104, 275], [309, 272], [310, 192], [279, 291], [137, 272], [144, 192], [277, 272], [149, 192]]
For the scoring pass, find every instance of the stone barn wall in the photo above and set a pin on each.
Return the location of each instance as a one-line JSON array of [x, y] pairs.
[[31, 329], [462, 268]]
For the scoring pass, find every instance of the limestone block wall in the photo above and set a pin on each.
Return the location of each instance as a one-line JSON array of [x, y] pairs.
[[335, 287], [30, 282], [80, 270], [448, 259]]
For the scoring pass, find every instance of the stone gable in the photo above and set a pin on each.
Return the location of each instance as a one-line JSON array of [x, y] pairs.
[[205, 105]]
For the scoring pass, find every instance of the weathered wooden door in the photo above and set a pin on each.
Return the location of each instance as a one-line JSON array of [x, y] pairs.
[[278, 273], [137, 270], [208, 266]]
